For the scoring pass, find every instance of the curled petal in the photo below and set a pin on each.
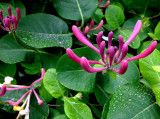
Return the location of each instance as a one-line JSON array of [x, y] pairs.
[[110, 36], [9, 11], [18, 14], [1, 15], [121, 42], [99, 38], [123, 67], [111, 55], [82, 38], [73, 56], [85, 65], [124, 53], [99, 26], [86, 30], [16, 103], [106, 5], [136, 30], [147, 52], [91, 23], [3, 90], [102, 48], [77, 59]]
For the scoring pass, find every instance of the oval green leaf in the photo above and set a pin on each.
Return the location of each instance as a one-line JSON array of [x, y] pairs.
[[52, 84], [75, 109], [72, 75], [43, 30], [132, 101], [75, 9], [114, 16]]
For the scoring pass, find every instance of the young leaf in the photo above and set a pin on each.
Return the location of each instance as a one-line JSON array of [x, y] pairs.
[[52, 84], [76, 110], [114, 16]]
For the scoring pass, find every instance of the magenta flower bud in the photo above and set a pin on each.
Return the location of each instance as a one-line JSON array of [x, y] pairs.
[[123, 67], [91, 23], [147, 52], [7, 22], [106, 5], [121, 42], [14, 21], [99, 26], [110, 36], [18, 14], [3, 90], [73, 56], [102, 48], [1, 15], [111, 55], [99, 37], [40, 102], [9, 11], [16, 103], [86, 30], [85, 65], [82, 38], [136, 30]]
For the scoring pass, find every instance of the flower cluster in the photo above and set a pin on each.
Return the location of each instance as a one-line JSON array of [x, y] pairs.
[[113, 55], [106, 5], [10, 22], [7, 86]]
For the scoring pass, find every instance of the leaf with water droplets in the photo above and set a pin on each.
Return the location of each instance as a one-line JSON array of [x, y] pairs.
[[75, 109], [43, 30], [132, 101]]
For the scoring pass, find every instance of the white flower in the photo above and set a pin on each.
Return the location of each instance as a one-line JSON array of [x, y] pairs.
[[8, 80]]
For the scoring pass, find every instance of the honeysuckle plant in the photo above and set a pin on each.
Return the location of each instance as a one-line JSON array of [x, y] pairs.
[[112, 56], [112, 73], [7, 86]]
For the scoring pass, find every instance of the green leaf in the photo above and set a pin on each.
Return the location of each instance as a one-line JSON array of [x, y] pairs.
[[75, 9], [62, 116], [132, 101], [157, 31], [76, 110], [111, 85], [53, 113], [97, 16], [145, 65], [52, 84], [72, 75], [11, 52], [44, 93], [156, 68], [100, 94], [135, 43], [114, 16], [32, 68], [7, 70], [149, 74], [33, 30], [37, 111]]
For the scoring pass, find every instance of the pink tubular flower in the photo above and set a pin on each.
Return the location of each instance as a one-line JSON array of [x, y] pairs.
[[113, 55], [90, 26], [6, 86], [106, 5], [10, 22]]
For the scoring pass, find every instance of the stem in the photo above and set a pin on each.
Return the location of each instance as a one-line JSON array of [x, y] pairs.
[[97, 105], [153, 16], [146, 7], [55, 105], [82, 23]]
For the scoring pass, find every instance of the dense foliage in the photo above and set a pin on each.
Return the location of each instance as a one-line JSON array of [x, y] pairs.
[[80, 59]]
